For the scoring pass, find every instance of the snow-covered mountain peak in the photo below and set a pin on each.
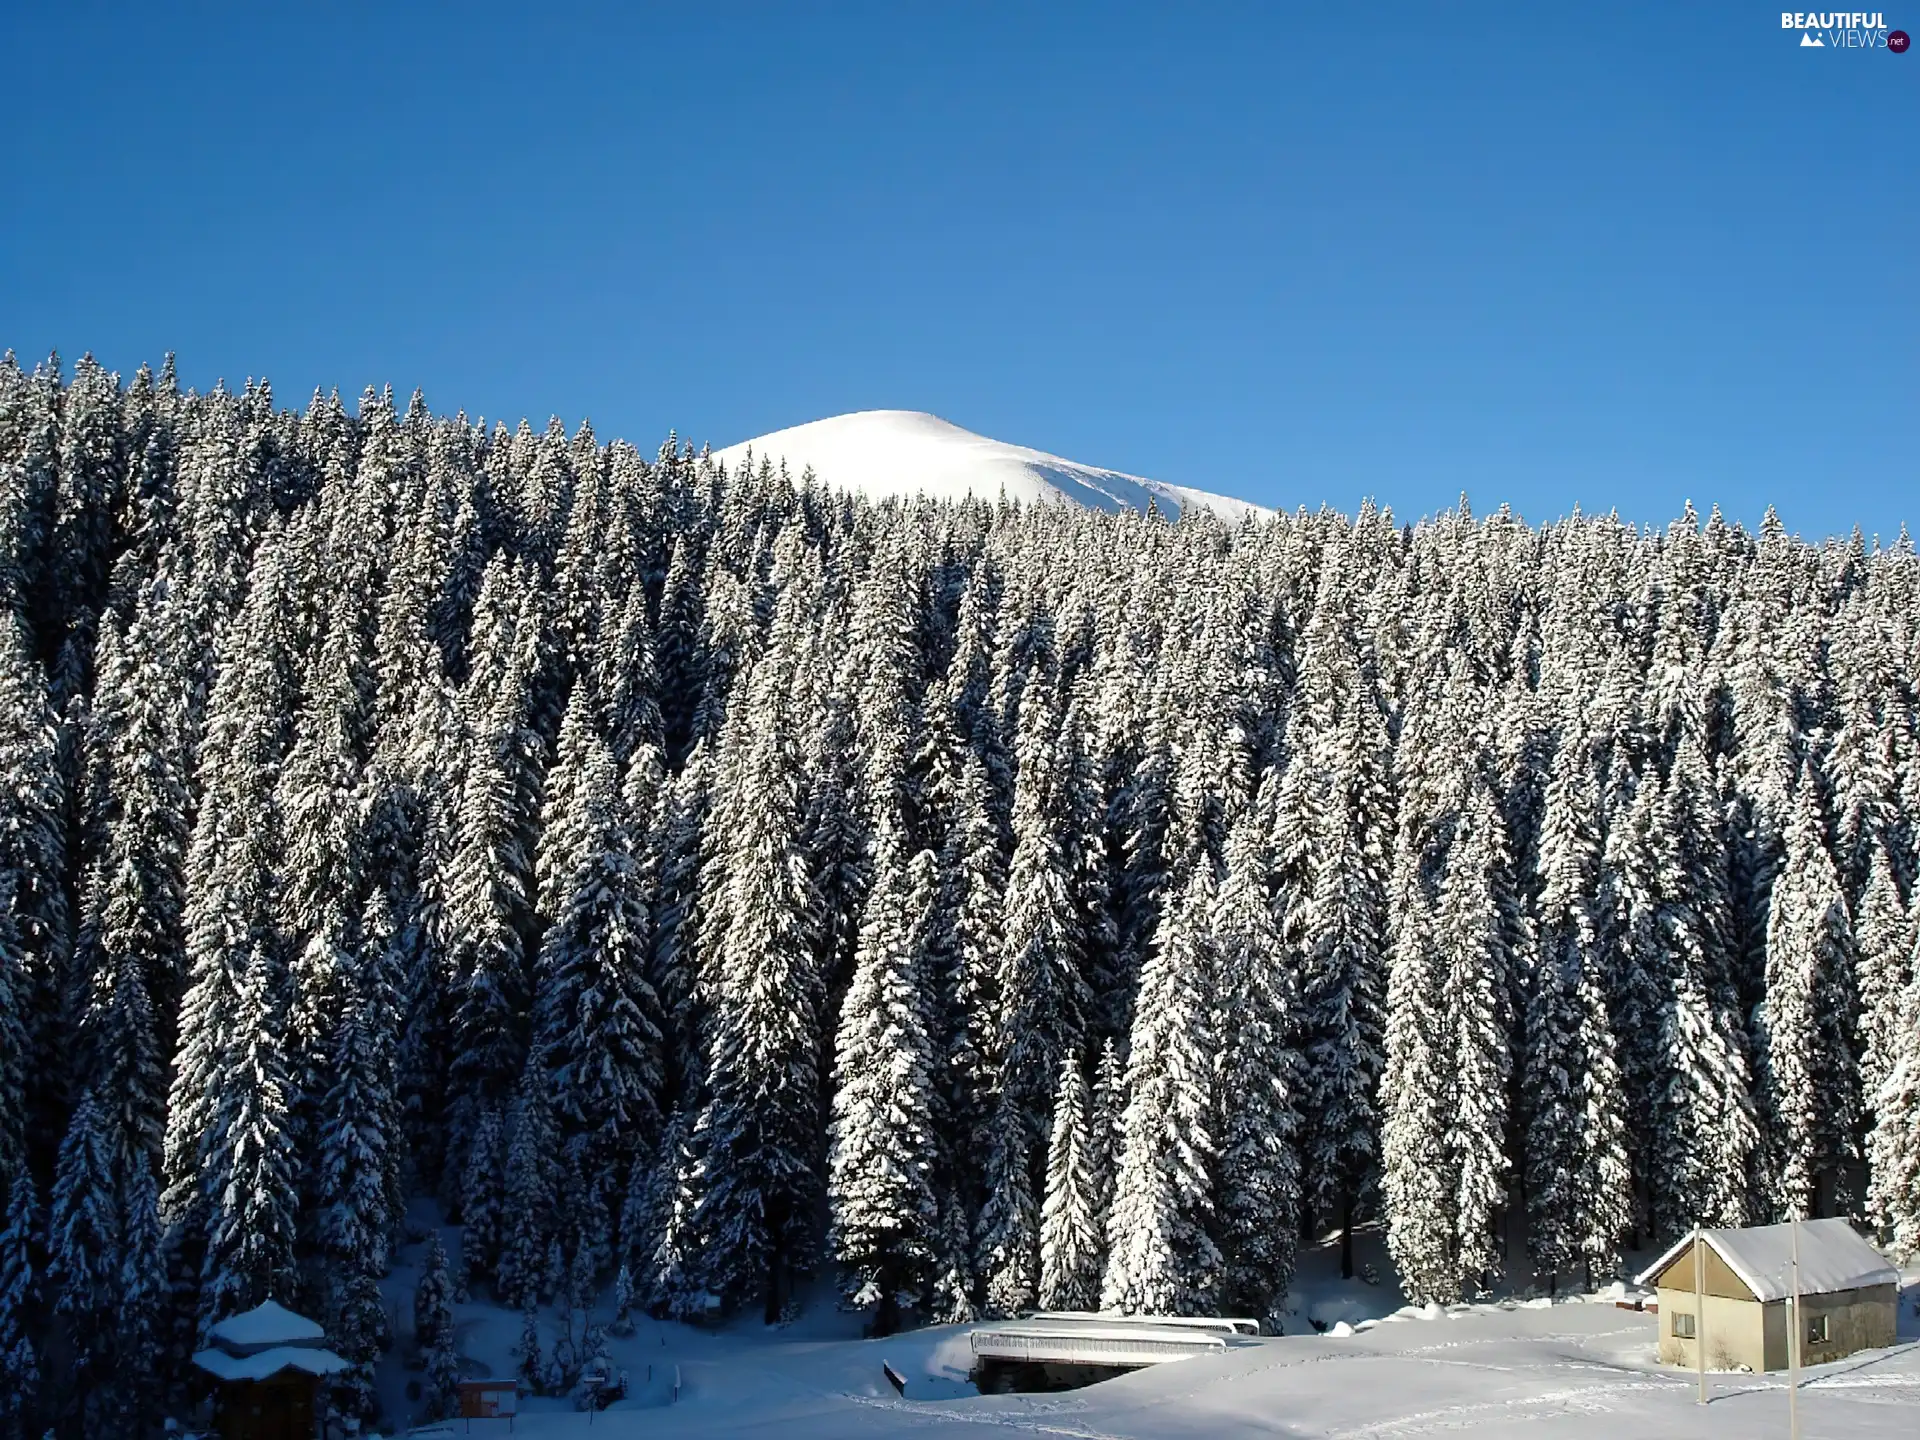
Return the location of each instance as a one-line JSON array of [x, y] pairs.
[[884, 453]]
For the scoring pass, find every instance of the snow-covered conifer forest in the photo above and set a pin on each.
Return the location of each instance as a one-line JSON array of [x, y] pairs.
[[714, 880]]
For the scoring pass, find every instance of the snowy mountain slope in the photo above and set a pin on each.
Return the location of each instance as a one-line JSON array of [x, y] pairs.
[[884, 453]]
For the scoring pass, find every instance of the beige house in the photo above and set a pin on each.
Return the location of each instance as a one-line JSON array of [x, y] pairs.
[[1744, 1278]]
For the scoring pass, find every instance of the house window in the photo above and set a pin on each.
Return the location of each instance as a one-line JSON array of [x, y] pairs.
[[1682, 1325], [1816, 1330]]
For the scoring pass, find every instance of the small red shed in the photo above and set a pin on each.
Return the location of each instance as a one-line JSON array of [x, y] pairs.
[[489, 1400]]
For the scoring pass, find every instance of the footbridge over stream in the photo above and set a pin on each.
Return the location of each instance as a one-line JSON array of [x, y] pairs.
[[1060, 1350]]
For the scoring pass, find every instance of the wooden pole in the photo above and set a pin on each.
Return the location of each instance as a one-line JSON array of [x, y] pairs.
[[1795, 1335], [1700, 1308]]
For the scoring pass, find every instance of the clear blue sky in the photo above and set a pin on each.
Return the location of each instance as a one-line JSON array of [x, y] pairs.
[[1616, 255]]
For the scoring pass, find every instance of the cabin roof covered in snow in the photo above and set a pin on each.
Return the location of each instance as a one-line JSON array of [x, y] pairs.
[[265, 1364], [1833, 1257], [266, 1325]]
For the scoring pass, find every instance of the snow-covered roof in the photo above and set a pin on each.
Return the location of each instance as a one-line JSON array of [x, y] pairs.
[[1833, 1257], [1223, 1324], [263, 1326], [265, 1364], [1063, 1342]]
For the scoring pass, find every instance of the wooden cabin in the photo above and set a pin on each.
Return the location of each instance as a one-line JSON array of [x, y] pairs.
[[1746, 1281], [265, 1368]]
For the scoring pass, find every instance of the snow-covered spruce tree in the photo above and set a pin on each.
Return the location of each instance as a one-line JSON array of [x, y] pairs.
[[1631, 963], [483, 1201], [1042, 993], [1341, 1003], [321, 872], [234, 979], [135, 908], [1007, 1235], [141, 1317], [1603, 1204], [1474, 992], [416, 960], [532, 1368], [356, 1115], [89, 489], [953, 1285], [15, 993], [1108, 979], [1576, 1167], [1417, 1180], [1871, 710], [838, 826], [979, 871], [433, 1327], [1072, 1248], [599, 1021], [1806, 1089], [623, 1301], [658, 1221], [565, 843], [562, 1366], [19, 1295], [553, 1289], [489, 885], [383, 979], [761, 1120], [1572, 920], [528, 1221], [33, 862], [1162, 1258], [880, 1180], [882, 645], [249, 1171], [122, 1049], [676, 638], [673, 845], [728, 643], [638, 1221], [1893, 1150], [1258, 1075], [412, 785], [1885, 935], [1705, 1133], [83, 1247], [1333, 895], [1767, 672], [932, 898], [629, 683], [1552, 1073], [588, 1219], [1420, 1171], [1108, 1108], [1137, 811]]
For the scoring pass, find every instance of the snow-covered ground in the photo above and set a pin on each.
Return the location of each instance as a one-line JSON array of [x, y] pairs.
[[883, 453], [1581, 1368]]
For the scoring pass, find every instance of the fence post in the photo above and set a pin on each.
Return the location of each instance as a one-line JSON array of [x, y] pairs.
[[1700, 1307]]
